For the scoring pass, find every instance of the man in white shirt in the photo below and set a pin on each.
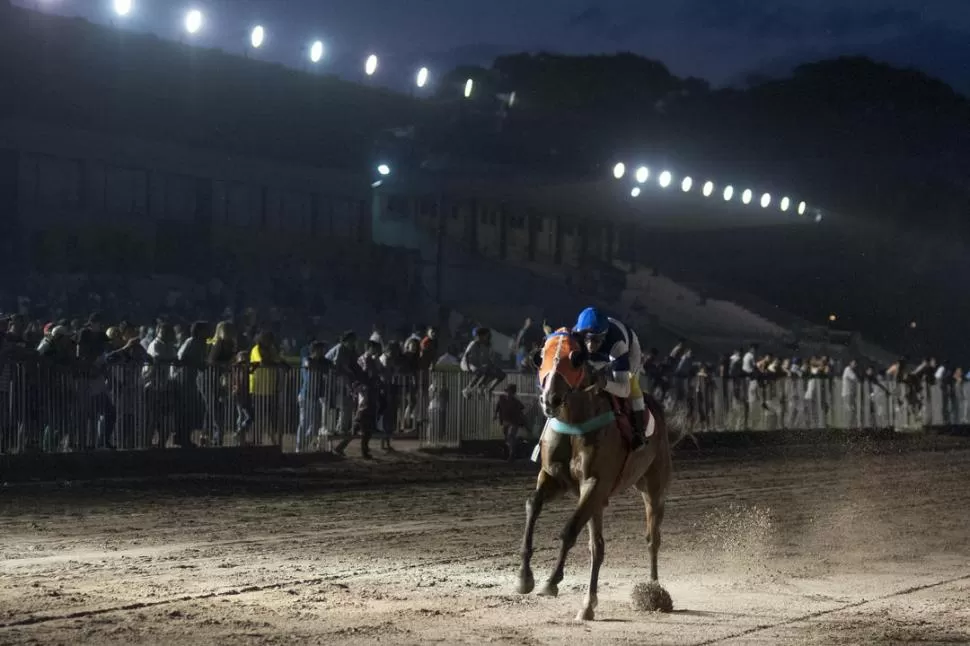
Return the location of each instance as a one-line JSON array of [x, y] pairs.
[[850, 393], [749, 367], [749, 361]]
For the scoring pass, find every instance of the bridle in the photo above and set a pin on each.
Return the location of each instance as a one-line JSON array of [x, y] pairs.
[[573, 386]]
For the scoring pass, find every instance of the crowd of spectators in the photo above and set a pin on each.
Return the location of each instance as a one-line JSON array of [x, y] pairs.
[[807, 392], [75, 384]]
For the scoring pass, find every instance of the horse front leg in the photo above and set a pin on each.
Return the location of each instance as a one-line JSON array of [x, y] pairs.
[[597, 551], [546, 488], [591, 500]]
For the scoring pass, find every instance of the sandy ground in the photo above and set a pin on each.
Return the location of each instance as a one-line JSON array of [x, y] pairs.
[[858, 549]]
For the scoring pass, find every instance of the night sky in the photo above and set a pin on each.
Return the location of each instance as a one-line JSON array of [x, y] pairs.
[[720, 40]]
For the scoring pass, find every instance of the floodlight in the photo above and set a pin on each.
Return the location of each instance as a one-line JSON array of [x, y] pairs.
[[469, 86], [785, 204], [635, 192], [422, 78], [316, 51], [666, 178], [765, 200], [801, 208], [747, 195], [122, 7], [619, 170], [193, 21], [643, 174], [370, 66], [686, 184], [384, 170], [708, 189], [728, 193], [257, 36]]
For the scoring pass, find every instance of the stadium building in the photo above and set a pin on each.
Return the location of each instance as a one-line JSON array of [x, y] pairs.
[[146, 156]]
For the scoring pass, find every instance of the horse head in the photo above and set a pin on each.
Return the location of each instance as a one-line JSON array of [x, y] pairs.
[[563, 373]]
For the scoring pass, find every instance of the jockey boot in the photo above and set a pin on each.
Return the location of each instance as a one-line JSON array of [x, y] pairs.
[[639, 428]]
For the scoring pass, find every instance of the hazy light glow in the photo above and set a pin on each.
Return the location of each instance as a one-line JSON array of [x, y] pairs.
[[422, 78], [747, 196], [665, 179], [512, 98], [257, 37], [469, 87], [643, 174], [728, 193], [122, 7], [765, 200], [384, 170], [316, 51], [619, 170], [818, 216], [802, 207], [785, 204], [193, 21], [635, 192], [708, 189], [686, 185], [370, 66]]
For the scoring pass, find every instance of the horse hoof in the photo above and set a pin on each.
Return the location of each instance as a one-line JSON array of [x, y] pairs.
[[526, 584], [586, 614], [550, 590]]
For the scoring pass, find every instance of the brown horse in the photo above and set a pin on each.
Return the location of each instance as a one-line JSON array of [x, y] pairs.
[[583, 451]]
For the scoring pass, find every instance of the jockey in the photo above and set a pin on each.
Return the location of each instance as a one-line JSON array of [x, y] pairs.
[[614, 344]]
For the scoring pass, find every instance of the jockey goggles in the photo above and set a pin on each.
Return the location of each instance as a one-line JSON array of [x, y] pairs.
[[592, 335]]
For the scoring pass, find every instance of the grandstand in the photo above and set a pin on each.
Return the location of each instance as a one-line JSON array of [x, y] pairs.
[[124, 153]]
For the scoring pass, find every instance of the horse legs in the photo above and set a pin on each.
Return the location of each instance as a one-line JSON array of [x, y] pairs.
[[655, 515], [597, 550], [592, 497], [546, 488]]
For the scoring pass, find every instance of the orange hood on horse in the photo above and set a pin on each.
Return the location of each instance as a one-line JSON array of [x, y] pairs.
[[556, 353]]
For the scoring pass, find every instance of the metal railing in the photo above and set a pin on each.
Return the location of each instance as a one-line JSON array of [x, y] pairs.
[[51, 407]]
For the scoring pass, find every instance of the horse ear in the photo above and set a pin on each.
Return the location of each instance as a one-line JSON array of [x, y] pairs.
[[577, 358]]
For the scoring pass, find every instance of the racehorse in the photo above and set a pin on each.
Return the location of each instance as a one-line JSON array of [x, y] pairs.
[[584, 451]]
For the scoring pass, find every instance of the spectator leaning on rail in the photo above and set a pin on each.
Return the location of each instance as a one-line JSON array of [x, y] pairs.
[[477, 360]]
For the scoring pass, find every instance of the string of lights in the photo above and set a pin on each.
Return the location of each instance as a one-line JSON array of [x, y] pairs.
[[641, 176], [194, 21]]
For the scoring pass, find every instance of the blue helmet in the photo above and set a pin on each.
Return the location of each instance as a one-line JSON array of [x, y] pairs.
[[591, 321]]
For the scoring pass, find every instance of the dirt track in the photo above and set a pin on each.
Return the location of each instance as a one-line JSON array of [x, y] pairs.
[[860, 549]]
